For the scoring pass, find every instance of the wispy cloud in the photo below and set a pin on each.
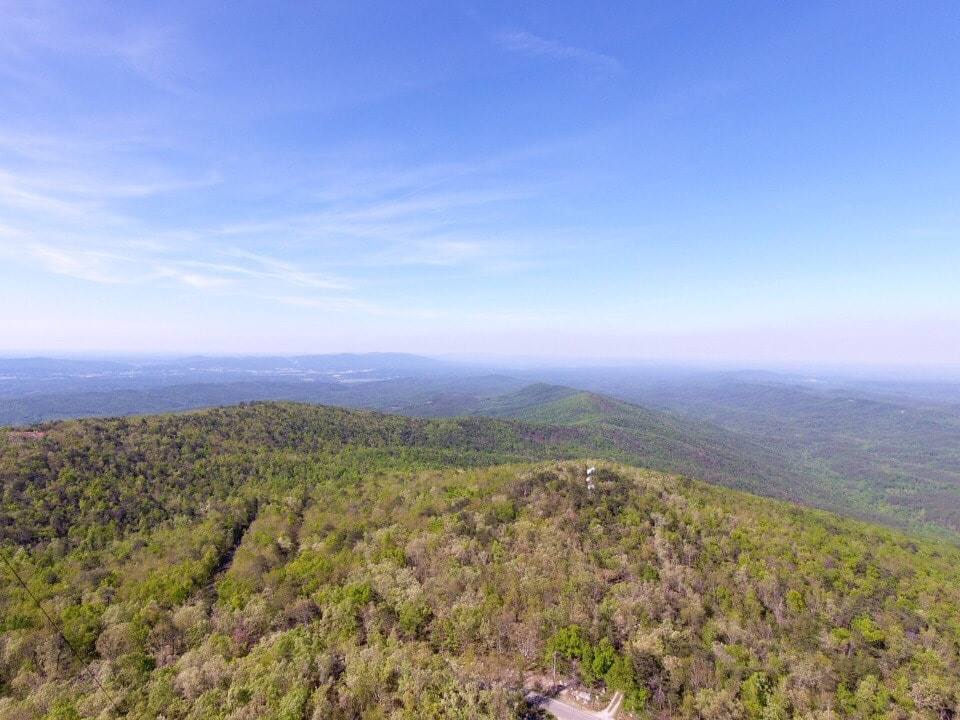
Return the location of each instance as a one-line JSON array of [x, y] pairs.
[[147, 263], [437, 202], [100, 201], [94, 231], [489, 256], [91, 265], [193, 279], [19, 196], [40, 188], [438, 223], [48, 147], [287, 273], [36, 30], [527, 43]]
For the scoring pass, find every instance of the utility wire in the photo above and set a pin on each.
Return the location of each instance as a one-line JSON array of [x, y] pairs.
[[59, 631]]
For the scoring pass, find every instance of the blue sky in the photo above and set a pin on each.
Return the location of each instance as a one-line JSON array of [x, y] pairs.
[[737, 182]]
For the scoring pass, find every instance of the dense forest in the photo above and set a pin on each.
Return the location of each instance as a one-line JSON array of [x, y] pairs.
[[209, 452], [289, 561], [889, 457]]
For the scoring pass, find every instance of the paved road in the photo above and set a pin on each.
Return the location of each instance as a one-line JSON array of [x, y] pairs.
[[559, 709]]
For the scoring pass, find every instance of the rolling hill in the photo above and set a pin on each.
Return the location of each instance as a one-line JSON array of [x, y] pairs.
[[881, 452], [861, 457]]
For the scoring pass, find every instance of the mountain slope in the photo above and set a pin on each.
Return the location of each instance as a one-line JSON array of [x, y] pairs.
[[885, 452], [688, 445], [287, 561], [828, 474], [891, 453]]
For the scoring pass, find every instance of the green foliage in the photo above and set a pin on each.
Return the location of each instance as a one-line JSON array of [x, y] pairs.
[[81, 627], [233, 592], [795, 601], [871, 633], [359, 594], [649, 572], [345, 565], [63, 709], [414, 618], [571, 642], [603, 658], [755, 694]]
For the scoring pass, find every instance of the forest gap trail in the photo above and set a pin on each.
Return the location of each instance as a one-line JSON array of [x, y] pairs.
[[226, 557]]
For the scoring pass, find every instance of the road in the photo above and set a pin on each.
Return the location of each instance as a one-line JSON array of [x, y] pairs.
[[559, 709], [562, 711]]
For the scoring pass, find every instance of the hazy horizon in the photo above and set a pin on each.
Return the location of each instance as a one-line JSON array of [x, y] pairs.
[[758, 186], [493, 362]]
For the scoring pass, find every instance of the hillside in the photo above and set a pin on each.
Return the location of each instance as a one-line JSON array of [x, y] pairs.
[[784, 453], [890, 453], [819, 474], [284, 561], [880, 451], [878, 460]]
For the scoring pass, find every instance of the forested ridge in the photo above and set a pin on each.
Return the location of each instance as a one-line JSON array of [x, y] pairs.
[[287, 561], [885, 459], [121, 474]]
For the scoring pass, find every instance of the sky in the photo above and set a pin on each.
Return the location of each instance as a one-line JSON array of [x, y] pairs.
[[748, 182]]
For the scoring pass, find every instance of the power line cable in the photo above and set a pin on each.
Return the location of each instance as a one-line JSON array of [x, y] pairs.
[[60, 632]]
